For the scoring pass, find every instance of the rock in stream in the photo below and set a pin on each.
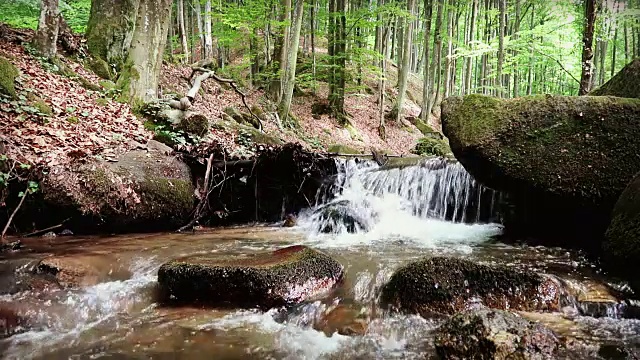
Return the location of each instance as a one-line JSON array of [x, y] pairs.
[[494, 334], [282, 277], [442, 285]]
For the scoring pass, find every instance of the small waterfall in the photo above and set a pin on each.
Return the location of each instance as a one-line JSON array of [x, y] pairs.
[[434, 188]]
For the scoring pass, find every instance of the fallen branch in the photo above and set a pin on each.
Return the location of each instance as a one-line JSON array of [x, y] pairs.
[[203, 200], [38, 232], [6, 227]]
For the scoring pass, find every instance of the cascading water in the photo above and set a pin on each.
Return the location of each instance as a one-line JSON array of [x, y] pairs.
[[411, 201]]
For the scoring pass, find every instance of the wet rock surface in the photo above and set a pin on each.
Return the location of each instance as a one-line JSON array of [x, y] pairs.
[[76, 271], [11, 322], [282, 277], [442, 285], [341, 215], [621, 247], [562, 160], [344, 320], [494, 334]]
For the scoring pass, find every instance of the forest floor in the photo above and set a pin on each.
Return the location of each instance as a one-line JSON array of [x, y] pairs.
[[60, 116]]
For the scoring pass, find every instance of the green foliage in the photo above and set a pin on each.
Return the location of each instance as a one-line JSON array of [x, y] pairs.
[[25, 13]]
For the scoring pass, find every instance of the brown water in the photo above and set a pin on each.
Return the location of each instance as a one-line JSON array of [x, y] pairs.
[[118, 318], [402, 214]]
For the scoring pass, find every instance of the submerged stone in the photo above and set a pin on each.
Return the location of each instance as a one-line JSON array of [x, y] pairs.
[[340, 215], [282, 277], [494, 334], [562, 160], [621, 248], [443, 285], [73, 271]]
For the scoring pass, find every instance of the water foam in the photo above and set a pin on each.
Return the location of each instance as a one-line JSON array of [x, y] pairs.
[[430, 204]]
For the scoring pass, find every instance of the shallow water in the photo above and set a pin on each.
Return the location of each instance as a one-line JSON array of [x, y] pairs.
[[119, 318]]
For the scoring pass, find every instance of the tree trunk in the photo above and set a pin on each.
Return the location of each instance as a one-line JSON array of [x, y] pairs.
[[614, 50], [280, 52], [447, 59], [110, 30], [428, 75], [183, 32], [400, 27], [516, 72], [139, 78], [45, 39], [501, 24], [472, 23], [587, 47], [437, 63], [208, 39], [403, 75], [336, 96], [198, 11], [292, 52], [313, 43]]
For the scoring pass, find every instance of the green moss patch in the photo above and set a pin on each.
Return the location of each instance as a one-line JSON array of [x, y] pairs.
[[626, 83], [8, 75], [429, 146], [343, 149]]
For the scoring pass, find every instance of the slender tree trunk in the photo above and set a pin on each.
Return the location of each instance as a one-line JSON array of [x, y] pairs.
[[501, 24], [384, 35], [626, 44], [280, 52], [292, 57], [46, 38], [400, 28], [531, 59], [615, 49], [587, 47], [516, 35], [403, 75], [428, 74], [437, 59], [208, 39], [139, 78], [472, 23], [198, 11], [183, 32], [313, 42], [447, 60]]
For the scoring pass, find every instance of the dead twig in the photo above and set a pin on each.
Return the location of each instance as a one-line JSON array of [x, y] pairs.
[[6, 227], [37, 232], [203, 201]]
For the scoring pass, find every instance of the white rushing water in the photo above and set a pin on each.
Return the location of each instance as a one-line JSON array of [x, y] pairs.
[[433, 203]]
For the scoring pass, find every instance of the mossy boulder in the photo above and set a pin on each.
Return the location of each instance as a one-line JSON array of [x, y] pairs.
[[431, 146], [626, 83], [8, 75], [443, 285], [563, 161], [283, 277], [494, 334], [621, 248], [142, 191], [101, 68], [343, 149], [234, 113]]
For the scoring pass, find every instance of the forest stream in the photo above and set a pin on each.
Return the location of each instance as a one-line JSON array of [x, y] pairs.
[[399, 215]]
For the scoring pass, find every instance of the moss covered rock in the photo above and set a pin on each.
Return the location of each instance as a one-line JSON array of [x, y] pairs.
[[563, 161], [493, 334], [142, 191], [282, 277], [8, 75], [430, 146], [621, 248], [626, 83], [442, 285]]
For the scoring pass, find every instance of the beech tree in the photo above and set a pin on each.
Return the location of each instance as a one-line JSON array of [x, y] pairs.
[[46, 38]]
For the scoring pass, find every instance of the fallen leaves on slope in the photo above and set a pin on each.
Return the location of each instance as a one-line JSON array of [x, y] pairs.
[[77, 128]]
